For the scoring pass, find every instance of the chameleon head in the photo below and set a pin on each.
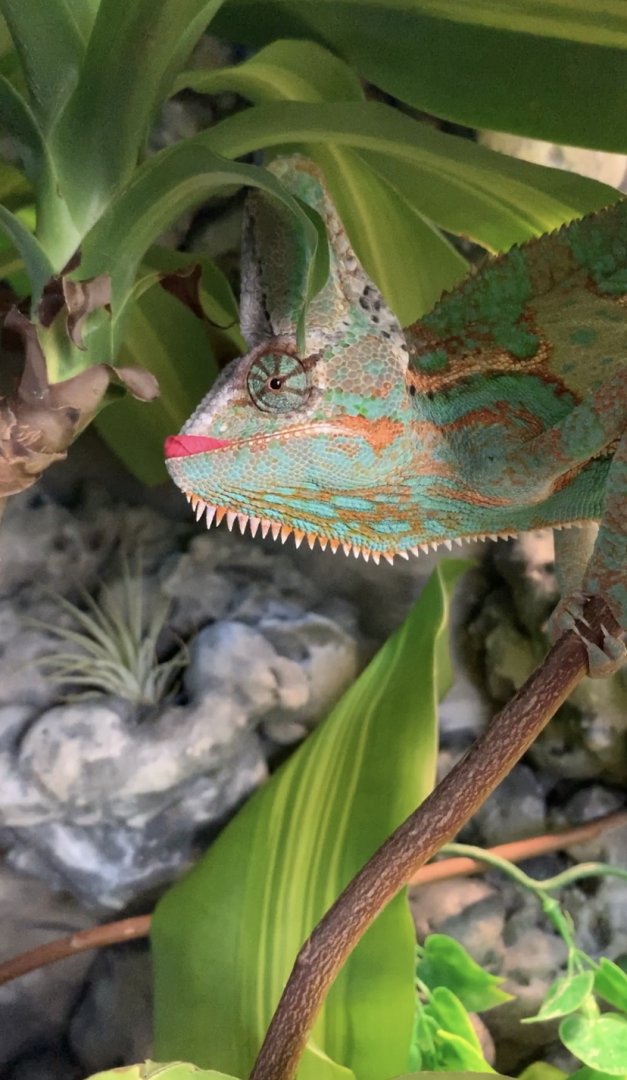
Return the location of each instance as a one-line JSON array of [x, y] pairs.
[[317, 444], [313, 445]]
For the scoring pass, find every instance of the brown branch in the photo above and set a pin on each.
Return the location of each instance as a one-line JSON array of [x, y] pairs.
[[115, 933], [436, 821], [518, 850], [93, 938]]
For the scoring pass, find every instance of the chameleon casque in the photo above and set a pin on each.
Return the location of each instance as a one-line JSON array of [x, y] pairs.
[[504, 409]]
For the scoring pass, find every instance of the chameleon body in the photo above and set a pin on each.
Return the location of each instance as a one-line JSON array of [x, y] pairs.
[[504, 409]]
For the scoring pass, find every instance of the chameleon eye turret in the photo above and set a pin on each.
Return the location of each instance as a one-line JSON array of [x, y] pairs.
[[278, 382]]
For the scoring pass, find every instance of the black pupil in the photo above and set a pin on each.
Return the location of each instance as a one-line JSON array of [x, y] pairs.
[[275, 383]]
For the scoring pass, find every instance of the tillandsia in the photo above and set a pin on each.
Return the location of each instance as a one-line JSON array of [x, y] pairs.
[[504, 409]]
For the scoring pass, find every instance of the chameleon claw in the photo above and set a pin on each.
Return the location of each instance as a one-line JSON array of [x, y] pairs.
[[602, 661]]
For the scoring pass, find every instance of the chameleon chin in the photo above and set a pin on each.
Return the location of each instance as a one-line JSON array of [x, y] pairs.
[[504, 409]]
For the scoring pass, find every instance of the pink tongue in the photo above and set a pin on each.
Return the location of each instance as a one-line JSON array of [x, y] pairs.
[[184, 445]]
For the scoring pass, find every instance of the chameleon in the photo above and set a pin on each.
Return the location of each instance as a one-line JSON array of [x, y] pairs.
[[502, 410]]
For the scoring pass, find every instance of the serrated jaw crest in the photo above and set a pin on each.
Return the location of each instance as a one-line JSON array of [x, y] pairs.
[[278, 531]]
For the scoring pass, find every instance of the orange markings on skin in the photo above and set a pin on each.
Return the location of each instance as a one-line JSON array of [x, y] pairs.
[[378, 433]]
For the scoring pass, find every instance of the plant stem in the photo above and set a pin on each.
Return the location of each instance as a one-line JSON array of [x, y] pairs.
[[436, 821]]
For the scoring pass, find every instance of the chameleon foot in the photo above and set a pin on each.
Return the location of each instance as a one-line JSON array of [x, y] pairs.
[[602, 660]]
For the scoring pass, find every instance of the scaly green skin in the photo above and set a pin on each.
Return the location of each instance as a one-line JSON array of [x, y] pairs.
[[504, 409]]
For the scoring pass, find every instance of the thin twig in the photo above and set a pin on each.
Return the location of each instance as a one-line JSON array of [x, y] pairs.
[[93, 938], [518, 850], [436, 821], [115, 933]]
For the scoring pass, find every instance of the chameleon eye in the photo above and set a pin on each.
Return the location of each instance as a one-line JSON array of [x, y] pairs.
[[278, 382]]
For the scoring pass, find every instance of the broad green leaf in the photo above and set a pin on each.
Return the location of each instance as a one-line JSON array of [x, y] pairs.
[[610, 983], [132, 55], [462, 187], [163, 188], [225, 938], [546, 70], [600, 1042], [34, 258], [564, 996], [167, 339], [444, 962], [152, 1070], [403, 253], [50, 43]]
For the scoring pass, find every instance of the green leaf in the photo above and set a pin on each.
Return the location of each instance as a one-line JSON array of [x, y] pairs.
[[403, 253], [15, 191], [164, 187], [167, 339], [512, 65], [454, 1052], [284, 71], [462, 187], [600, 1042], [50, 43], [564, 996], [11, 262], [452, 1019], [585, 1073], [456, 1075], [35, 259], [541, 1070], [214, 291], [152, 1070], [401, 250], [225, 938], [17, 120], [133, 53], [610, 983], [444, 962]]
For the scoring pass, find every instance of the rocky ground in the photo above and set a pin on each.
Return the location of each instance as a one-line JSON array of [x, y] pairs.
[[103, 803]]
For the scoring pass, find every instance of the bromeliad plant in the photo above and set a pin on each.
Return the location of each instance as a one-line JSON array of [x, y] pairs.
[[79, 93]]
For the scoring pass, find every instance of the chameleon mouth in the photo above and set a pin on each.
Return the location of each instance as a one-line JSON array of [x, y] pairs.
[[214, 515], [185, 445]]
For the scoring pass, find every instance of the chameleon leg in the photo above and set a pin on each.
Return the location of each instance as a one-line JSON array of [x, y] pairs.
[[573, 551], [575, 554], [530, 473], [606, 573]]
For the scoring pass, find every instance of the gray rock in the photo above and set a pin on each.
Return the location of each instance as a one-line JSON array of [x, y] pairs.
[[586, 737], [34, 1009], [515, 810], [600, 910], [51, 1064], [112, 1023], [124, 801], [13, 721]]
